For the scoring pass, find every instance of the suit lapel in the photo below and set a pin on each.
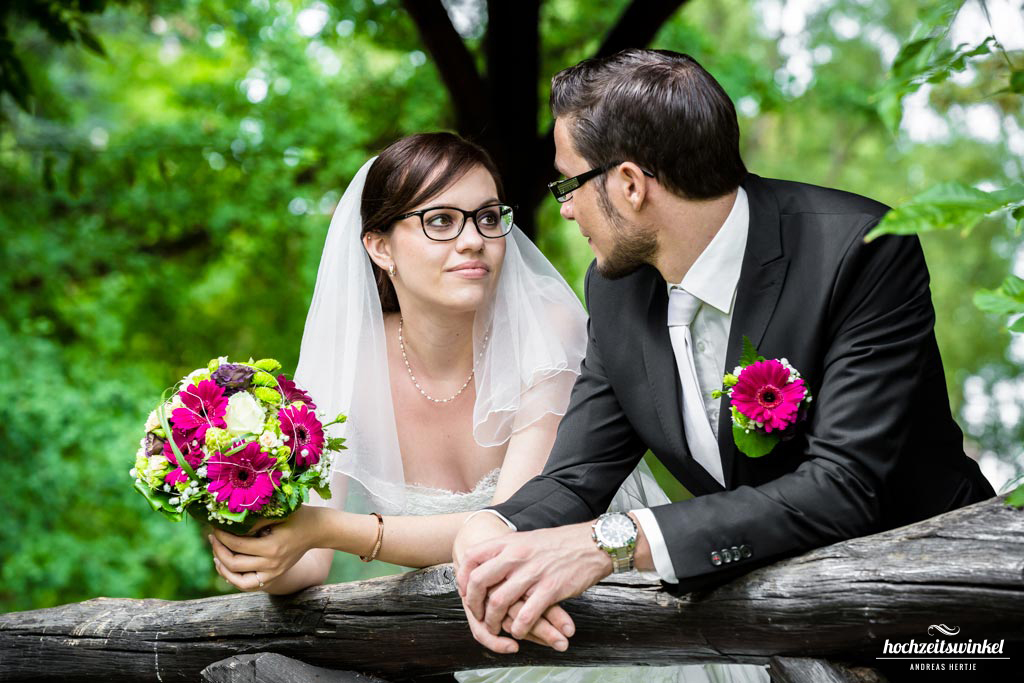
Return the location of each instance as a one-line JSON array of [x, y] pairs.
[[663, 378], [757, 293]]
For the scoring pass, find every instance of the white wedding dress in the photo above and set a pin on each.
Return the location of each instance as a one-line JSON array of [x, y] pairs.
[[424, 500]]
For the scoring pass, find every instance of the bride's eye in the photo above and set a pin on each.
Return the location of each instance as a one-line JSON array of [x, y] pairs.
[[488, 218], [439, 220]]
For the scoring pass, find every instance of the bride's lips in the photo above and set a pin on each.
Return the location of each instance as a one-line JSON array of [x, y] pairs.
[[472, 270]]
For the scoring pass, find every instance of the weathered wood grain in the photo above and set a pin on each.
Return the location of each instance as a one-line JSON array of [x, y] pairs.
[[839, 602], [803, 670], [268, 667]]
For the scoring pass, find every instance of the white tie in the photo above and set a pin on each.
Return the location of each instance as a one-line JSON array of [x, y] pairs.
[[682, 308]]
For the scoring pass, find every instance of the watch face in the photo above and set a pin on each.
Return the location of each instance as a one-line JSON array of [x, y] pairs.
[[617, 531]]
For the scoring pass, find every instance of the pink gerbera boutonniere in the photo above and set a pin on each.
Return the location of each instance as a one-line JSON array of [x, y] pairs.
[[768, 397]]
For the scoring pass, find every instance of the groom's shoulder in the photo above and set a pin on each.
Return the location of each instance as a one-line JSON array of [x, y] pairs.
[[615, 292], [794, 198]]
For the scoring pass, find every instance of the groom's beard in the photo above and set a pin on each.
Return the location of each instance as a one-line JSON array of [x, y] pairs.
[[633, 247]]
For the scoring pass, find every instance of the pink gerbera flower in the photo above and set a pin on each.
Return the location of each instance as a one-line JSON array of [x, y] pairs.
[[205, 405], [246, 480], [190, 447], [305, 434], [764, 394], [292, 393]]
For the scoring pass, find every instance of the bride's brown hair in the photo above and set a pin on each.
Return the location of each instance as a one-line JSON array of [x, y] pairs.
[[408, 172]]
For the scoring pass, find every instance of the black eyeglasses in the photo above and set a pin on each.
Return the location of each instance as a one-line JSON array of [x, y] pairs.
[[562, 189], [445, 223]]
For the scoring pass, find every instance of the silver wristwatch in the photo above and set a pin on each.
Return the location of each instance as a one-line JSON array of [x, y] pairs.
[[616, 533]]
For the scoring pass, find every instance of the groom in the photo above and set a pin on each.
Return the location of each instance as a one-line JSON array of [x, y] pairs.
[[693, 254]]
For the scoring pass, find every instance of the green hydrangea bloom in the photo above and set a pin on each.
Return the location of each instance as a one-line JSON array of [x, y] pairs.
[[268, 365], [267, 395], [264, 379], [218, 439]]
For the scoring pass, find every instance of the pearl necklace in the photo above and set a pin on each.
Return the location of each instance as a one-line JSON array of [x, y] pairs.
[[405, 358]]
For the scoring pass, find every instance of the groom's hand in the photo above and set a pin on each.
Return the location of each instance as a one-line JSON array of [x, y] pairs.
[[543, 567], [552, 630]]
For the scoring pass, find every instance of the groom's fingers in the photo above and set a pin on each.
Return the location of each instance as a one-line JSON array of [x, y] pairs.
[[501, 598], [499, 644], [480, 581]]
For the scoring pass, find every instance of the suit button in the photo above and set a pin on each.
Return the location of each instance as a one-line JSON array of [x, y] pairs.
[[716, 558], [701, 347], [726, 555], [746, 551], [735, 553]]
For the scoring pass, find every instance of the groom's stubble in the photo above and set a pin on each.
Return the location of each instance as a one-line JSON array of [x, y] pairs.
[[632, 247]]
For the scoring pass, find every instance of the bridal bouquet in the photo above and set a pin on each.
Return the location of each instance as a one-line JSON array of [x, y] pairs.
[[767, 399], [231, 444]]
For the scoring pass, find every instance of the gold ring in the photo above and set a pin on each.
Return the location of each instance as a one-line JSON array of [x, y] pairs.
[[259, 579]]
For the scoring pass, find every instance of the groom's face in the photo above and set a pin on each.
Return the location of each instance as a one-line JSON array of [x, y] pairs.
[[619, 246]]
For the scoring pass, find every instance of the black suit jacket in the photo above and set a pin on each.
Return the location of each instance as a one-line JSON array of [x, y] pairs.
[[879, 448]]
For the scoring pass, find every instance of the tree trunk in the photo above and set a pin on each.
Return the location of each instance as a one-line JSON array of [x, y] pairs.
[[841, 602]]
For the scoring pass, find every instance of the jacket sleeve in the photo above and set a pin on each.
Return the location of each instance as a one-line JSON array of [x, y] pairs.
[[879, 332], [595, 450]]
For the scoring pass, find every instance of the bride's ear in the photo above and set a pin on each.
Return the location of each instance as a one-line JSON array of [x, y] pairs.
[[379, 248]]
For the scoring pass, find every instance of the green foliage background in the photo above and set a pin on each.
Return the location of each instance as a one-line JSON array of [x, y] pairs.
[[156, 212]]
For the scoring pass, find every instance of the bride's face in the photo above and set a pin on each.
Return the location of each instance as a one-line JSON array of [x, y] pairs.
[[458, 275]]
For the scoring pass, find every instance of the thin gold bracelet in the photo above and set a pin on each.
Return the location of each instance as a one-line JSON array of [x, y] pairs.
[[380, 538]]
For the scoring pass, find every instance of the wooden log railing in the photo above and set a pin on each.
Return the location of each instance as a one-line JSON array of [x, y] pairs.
[[836, 603]]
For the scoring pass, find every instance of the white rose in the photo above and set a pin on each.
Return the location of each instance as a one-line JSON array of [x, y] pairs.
[[152, 422], [269, 440], [187, 379], [245, 415]]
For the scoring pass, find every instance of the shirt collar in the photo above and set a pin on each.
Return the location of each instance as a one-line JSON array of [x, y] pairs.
[[713, 277]]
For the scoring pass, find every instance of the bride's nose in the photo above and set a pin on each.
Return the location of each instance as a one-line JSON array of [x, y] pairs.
[[470, 239]]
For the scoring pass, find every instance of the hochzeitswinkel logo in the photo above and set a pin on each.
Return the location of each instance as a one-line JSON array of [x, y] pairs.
[[944, 651]]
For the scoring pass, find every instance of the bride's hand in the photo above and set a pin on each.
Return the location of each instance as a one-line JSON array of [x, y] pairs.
[[247, 561]]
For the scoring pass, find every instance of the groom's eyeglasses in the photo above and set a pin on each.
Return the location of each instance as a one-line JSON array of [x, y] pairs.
[[562, 189], [445, 223]]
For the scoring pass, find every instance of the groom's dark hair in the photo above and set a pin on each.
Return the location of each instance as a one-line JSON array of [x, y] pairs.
[[659, 109], [407, 173]]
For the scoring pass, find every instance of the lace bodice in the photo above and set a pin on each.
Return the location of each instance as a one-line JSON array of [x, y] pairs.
[[426, 500]]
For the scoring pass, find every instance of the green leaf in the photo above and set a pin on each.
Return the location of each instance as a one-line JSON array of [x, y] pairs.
[[946, 206], [1008, 299], [156, 499], [1016, 497], [753, 444], [1017, 326], [749, 355], [1017, 83], [1018, 215]]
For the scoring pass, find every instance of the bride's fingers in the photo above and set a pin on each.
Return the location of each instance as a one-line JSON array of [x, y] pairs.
[[544, 632], [499, 644], [236, 562], [247, 581], [561, 620]]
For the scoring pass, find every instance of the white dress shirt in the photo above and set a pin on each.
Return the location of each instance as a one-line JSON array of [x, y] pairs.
[[713, 279]]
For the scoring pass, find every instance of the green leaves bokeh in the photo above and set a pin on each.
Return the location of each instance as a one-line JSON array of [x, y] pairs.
[[168, 203]]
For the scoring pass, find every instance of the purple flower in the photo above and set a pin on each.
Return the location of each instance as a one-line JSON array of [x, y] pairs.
[[204, 407], [292, 393], [233, 377], [246, 480]]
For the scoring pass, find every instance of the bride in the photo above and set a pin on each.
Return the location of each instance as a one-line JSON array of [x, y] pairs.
[[452, 345]]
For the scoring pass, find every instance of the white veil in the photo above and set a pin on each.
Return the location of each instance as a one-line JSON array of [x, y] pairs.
[[537, 339]]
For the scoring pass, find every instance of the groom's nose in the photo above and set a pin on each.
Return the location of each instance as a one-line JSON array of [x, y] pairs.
[[566, 211]]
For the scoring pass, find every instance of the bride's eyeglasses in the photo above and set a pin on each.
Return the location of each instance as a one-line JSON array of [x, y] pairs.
[[445, 223]]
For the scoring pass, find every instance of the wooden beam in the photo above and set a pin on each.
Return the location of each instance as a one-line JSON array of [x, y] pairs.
[[840, 602]]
